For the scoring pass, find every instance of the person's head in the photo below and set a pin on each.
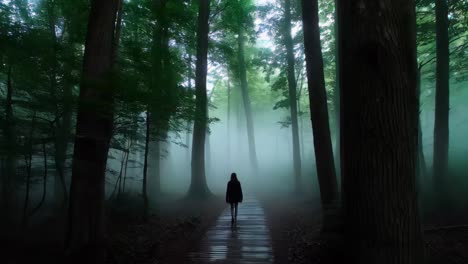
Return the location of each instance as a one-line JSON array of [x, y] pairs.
[[233, 176]]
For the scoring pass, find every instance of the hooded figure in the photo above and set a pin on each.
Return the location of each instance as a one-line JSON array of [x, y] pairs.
[[234, 195]]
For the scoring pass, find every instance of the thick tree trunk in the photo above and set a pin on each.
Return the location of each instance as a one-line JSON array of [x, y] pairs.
[[198, 186], [246, 100], [292, 94], [319, 113], [379, 126], [86, 227], [441, 123], [336, 97]]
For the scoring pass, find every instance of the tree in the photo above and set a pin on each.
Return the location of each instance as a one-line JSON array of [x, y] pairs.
[[319, 111], [86, 219], [198, 186], [242, 17], [293, 94], [441, 123], [145, 169], [379, 128]]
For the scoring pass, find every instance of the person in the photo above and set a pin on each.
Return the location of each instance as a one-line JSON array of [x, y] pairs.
[[234, 195]]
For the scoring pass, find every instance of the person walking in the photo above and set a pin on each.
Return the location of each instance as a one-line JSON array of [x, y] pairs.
[[234, 196]]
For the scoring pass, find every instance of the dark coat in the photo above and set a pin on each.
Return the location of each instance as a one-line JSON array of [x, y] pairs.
[[234, 192]]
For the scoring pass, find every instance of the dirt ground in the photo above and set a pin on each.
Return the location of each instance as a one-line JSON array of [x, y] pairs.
[[295, 225], [178, 225], [171, 231], [169, 234], [295, 232]]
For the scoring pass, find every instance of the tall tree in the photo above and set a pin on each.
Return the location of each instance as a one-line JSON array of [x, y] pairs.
[[379, 127], [319, 111], [94, 126], [293, 94], [245, 87], [198, 186], [62, 127], [9, 143], [145, 168], [441, 123]]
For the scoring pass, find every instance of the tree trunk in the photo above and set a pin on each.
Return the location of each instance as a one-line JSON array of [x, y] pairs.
[[86, 223], [121, 172], [319, 113], [145, 168], [187, 136], [246, 100], [379, 126], [441, 122], [421, 171], [28, 162], [9, 178], [164, 89], [292, 94], [156, 165], [60, 150], [228, 121], [336, 97], [126, 166], [118, 31], [198, 186], [44, 181]]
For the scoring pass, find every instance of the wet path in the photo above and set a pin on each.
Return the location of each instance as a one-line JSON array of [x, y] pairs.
[[246, 242]]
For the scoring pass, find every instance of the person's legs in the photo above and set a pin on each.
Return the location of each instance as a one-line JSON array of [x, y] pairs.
[[232, 212], [235, 207]]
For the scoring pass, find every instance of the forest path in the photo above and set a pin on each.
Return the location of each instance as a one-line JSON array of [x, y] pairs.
[[246, 242]]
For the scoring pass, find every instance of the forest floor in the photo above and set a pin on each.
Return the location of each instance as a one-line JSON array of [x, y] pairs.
[[295, 230], [180, 224], [168, 235]]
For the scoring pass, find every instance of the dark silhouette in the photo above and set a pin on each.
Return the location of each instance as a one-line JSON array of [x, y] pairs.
[[234, 195]]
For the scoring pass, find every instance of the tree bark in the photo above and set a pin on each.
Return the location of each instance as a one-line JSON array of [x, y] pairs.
[[60, 143], [198, 186], [164, 89], [86, 223], [126, 165], [421, 171], [187, 136], [292, 94], [28, 162], [44, 181], [379, 126], [228, 120], [441, 122], [145, 168], [336, 97], [246, 99], [118, 31], [9, 178], [319, 113]]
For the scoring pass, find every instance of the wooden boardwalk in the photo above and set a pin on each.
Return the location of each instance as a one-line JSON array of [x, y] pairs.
[[246, 242]]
